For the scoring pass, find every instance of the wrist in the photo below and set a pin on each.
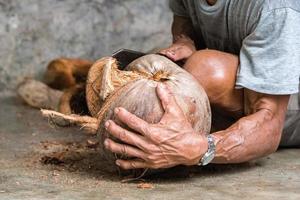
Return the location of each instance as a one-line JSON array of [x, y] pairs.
[[199, 148], [209, 155]]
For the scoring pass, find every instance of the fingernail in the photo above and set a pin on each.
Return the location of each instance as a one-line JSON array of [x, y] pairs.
[[117, 110], [169, 53], [118, 163], [107, 125], [172, 52]]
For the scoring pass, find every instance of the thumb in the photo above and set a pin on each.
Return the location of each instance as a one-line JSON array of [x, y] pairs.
[[168, 101]]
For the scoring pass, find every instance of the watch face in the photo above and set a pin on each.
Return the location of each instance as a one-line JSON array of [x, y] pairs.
[[210, 154], [209, 157]]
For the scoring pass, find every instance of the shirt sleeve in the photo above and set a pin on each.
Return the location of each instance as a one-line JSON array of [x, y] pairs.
[[270, 55], [178, 8]]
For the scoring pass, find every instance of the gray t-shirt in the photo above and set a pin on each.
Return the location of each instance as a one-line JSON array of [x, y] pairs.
[[264, 33]]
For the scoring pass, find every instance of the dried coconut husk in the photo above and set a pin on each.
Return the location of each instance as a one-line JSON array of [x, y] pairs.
[[135, 90], [64, 73], [86, 123], [73, 111], [38, 95], [73, 101], [103, 79]]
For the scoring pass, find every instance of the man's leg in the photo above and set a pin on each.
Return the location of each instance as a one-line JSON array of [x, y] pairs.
[[216, 72]]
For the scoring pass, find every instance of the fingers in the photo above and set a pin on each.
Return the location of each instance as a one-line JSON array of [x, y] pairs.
[[182, 49], [125, 135], [168, 101], [167, 51], [132, 121], [123, 149], [170, 54], [174, 53], [132, 164]]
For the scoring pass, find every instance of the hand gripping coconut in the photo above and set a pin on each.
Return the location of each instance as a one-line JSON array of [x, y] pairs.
[[134, 89]]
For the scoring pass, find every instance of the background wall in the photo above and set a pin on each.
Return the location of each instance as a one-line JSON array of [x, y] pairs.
[[32, 32]]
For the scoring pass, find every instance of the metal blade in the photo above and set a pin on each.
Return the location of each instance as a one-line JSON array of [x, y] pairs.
[[126, 56]]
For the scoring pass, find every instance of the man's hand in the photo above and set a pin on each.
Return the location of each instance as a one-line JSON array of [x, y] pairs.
[[168, 143], [182, 49]]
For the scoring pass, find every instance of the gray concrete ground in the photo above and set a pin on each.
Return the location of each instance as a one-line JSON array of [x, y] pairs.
[[38, 161]]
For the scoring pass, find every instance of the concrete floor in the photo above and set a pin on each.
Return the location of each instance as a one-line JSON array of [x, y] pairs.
[[27, 143]]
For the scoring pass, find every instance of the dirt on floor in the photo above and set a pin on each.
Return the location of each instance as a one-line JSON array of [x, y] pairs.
[[38, 161]]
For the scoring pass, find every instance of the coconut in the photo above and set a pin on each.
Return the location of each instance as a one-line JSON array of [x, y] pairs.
[[134, 89]]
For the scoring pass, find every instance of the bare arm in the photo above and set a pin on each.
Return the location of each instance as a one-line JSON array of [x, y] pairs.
[[182, 26], [183, 39], [255, 135]]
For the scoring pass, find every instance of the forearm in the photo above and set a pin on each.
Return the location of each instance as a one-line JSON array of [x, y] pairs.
[[251, 137], [182, 26]]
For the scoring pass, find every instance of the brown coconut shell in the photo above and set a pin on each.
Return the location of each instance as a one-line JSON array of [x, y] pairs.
[[64, 73], [135, 90]]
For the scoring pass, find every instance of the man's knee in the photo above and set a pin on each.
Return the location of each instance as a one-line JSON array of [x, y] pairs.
[[213, 68], [216, 72]]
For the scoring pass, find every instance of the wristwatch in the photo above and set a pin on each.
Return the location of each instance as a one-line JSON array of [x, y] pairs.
[[210, 153]]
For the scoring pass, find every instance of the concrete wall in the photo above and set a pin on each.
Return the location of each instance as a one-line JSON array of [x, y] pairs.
[[32, 32]]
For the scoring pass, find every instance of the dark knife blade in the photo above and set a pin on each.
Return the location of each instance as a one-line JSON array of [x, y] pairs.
[[126, 56]]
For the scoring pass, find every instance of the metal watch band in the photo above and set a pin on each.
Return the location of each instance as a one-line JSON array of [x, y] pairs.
[[210, 153]]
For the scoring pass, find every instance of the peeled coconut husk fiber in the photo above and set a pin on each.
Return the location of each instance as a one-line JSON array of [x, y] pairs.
[[64, 73], [134, 89]]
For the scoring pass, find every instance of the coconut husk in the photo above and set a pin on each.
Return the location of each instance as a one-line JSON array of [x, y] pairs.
[[86, 123], [38, 95], [103, 79], [64, 73]]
